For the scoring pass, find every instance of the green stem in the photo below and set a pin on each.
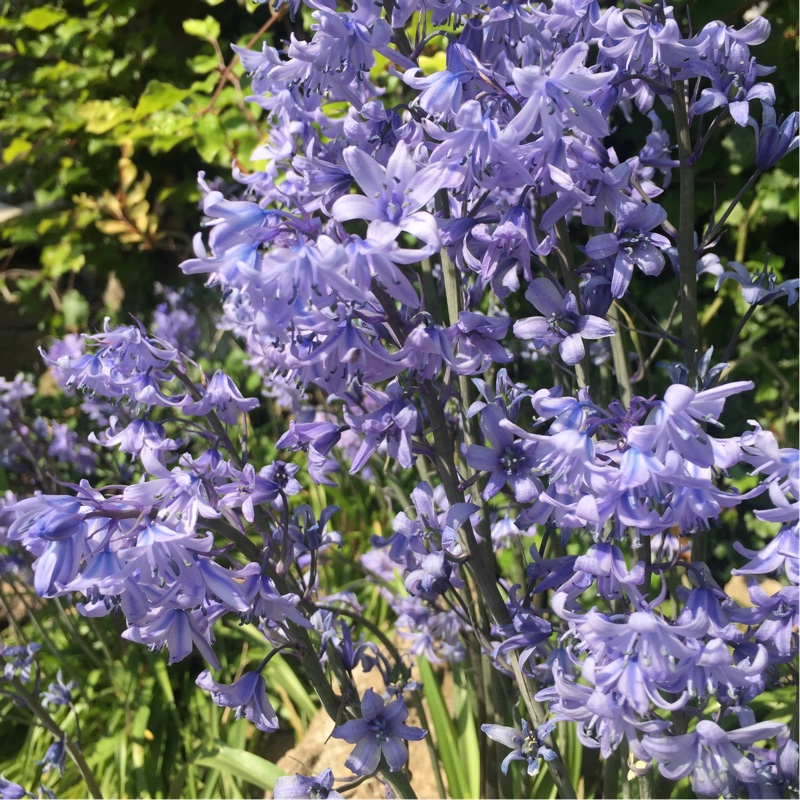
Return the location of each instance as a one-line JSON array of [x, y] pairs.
[[611, 769], [716, 229], [481, 564], [687, 256], [484, 578], [737, 333], [620, 357], [646, 785], [401, 785], [429, 292]]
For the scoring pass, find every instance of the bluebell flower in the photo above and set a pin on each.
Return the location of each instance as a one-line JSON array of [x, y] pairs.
[[761, 287], [392, 424], [393, 196], [381, 730], [562, 323], [774, 139], [299, 787], [18, 660], [54, 757], [712, 757], [508, 460], [783, 552], [247, 696], [561, 97], [526, 745], [224, 397], [633, 245], [58, 693], [12, 791]]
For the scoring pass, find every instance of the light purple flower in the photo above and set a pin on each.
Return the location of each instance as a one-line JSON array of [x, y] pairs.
[[393, 196], [761, 287], [248, 696], [299, 787], [561, 97], [527, 745], [224, 397], [12, 791], [712, 757], [562, 323]]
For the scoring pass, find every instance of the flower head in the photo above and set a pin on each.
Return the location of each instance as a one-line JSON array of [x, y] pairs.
[[380, 731], [527, 745], [562, 323], [300, 787], [248, 696]]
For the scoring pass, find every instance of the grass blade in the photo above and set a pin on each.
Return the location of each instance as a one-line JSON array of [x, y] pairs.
[[240, 764], [446, 740]]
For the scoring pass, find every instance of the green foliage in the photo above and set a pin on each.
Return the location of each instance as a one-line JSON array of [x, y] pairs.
[[108, 110], [146, 730]]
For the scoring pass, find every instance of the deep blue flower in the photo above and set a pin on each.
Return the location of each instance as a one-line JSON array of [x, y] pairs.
[[508, 460], [633, 245], [54, 757], [381, 730], [774, 139]]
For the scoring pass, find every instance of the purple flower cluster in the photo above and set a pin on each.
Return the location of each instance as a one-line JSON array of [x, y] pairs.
[[374, 268]]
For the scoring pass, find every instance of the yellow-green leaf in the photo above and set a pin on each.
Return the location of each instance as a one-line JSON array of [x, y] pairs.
[[40, 18], [156, 97], [207, 28], [17, 148], [103, 115]]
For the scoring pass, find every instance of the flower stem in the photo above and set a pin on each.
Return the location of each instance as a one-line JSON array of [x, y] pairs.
[[620, 358], [484, 578], [687, 256], [716, 229]]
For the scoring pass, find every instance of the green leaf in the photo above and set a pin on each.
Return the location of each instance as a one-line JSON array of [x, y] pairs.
[[210, 138], [207, 28], [466, 732], [241, 764], [40, 18], [446, 739], [156, 97], [59, 259], [103, 115], [17, 148], [203, 63], [75, 309]]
